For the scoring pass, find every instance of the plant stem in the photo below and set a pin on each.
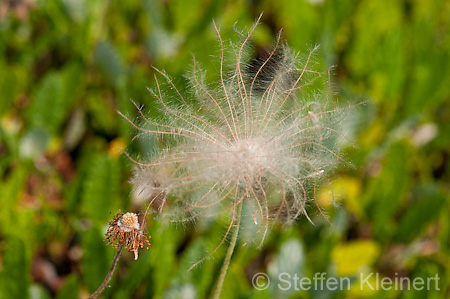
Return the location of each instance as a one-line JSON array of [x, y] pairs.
[[109, 275], [226, 262]]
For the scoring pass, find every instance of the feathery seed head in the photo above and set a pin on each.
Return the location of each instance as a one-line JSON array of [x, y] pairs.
[[263, 139]]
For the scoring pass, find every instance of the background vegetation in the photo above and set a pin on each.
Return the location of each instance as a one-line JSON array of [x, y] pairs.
[[67, 66]]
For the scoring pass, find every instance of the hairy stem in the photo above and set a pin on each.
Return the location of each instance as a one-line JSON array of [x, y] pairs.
[[226, 262], [109, 275]]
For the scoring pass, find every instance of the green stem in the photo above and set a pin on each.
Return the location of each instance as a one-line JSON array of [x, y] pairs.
[[109, 275], [226, 262]]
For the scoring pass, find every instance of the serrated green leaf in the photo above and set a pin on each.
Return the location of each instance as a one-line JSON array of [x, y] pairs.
[[46, 109], [100, 190], [53, 98]]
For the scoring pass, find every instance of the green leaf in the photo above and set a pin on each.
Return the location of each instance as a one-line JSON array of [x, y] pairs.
[[434, 278], [183, 291], [33, 143], [7, 89], [200, 275], [137, 273], [233, 282], [162, 258], [103, 116], [110, 63], [14, 280], [77, 10], [288, 263], [70, 289], [100, 192], [38, 291], [97, 259], [9, 194], [46, 109], [387, 191], [428, 205], [54, 97], [299, 21]]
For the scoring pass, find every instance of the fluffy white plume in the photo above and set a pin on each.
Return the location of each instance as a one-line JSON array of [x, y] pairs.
[[263, 138]]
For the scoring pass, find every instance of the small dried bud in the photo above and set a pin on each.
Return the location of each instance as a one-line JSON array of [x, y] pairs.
[[124, 230]]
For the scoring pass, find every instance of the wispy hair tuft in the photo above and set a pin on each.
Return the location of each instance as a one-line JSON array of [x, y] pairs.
[[264, 137]]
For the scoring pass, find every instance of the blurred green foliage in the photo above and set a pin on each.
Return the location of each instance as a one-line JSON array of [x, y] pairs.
[[67, 66]]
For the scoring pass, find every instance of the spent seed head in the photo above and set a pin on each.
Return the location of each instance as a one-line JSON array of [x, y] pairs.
[[124, 230]]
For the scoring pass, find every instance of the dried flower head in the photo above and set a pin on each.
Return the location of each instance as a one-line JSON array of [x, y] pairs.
[[260, 139], [124, 230]]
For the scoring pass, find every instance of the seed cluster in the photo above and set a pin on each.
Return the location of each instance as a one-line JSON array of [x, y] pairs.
[[124, 230]]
